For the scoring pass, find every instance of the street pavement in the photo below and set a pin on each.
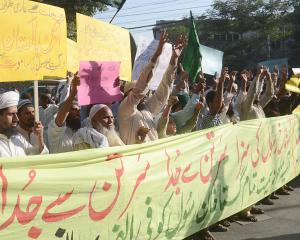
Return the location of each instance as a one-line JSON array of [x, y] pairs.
[[283, 225]]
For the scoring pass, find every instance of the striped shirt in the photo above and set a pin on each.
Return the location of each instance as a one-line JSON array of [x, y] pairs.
[[210, 121]]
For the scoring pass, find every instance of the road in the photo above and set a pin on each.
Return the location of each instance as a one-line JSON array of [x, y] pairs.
[[283, 225]]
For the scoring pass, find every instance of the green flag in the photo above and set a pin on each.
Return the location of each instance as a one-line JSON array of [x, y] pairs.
[[114, 3], [192, 57]]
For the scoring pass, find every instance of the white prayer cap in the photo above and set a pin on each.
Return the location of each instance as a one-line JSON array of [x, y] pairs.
[[96, 108], [9, 99]]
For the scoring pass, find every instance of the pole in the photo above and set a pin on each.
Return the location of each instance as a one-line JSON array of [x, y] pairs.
[[115, 15], [120, 7], [36, 101]]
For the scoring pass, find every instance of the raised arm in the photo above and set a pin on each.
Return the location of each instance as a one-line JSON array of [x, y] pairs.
[[181, 117], [191, 123], [231, 81], [164, 119], [217, 101], [244, 81], [267, 96], [128, 107], [282, 91], [159, 98], [252, 92], [63, 112], [183, 84]]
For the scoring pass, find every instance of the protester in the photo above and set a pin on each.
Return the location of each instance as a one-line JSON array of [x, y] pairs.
[[26, 118], [215, 103], [186, 112], [66, 123], [252, 106], [12, 143], [135, 110], [228, 113], [166, 125], [145, 116], [100, 130], [47, 109]]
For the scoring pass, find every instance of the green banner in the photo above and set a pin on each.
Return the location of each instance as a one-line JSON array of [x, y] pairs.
[[166, 189]]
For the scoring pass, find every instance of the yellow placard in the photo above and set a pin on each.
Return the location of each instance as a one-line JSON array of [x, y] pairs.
[[73, 60], [32, 41], [101, 41], [292, 84], [297, 110]]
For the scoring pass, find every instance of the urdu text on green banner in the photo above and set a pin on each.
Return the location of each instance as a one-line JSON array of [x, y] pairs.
[[166, 189]]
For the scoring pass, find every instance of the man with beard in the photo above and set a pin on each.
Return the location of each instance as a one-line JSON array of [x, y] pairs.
[[135, 110], [100, 130], [26, 121], [66, 123], [12, 143]]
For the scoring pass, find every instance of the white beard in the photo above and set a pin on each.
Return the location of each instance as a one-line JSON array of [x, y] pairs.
[[111, 135]]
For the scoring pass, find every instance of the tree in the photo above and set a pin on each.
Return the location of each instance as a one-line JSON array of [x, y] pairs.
[[246, 30], [295, 45], [86, 7]]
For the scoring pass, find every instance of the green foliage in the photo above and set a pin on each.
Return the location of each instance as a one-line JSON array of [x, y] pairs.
[[244, 29], [295, 46], [86, 7]]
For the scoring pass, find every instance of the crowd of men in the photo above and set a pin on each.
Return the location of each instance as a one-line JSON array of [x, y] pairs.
[[144, 116]]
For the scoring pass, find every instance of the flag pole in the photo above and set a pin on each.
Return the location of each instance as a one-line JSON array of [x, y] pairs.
[[115, 15], [123, 2]]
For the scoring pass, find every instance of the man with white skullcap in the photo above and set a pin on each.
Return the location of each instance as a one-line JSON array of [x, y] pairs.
[[66, 123], [11, 142], [100, 130]]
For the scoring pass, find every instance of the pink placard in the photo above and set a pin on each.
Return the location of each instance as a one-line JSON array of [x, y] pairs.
[[99, 82]]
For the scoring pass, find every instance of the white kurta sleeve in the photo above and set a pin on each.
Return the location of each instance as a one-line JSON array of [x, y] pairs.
[[55, 134]]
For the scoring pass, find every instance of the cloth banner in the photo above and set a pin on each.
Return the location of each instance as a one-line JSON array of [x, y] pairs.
[[146, 49], [99, 83], [165, 189], [100, 41], [32, 41]]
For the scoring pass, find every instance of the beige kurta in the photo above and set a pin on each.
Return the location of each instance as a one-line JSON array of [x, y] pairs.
[[131, 119], [249, 110]]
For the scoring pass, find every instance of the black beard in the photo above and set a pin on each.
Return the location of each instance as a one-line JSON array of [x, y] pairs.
[[73, 123], [31, 125], [10, 132]]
